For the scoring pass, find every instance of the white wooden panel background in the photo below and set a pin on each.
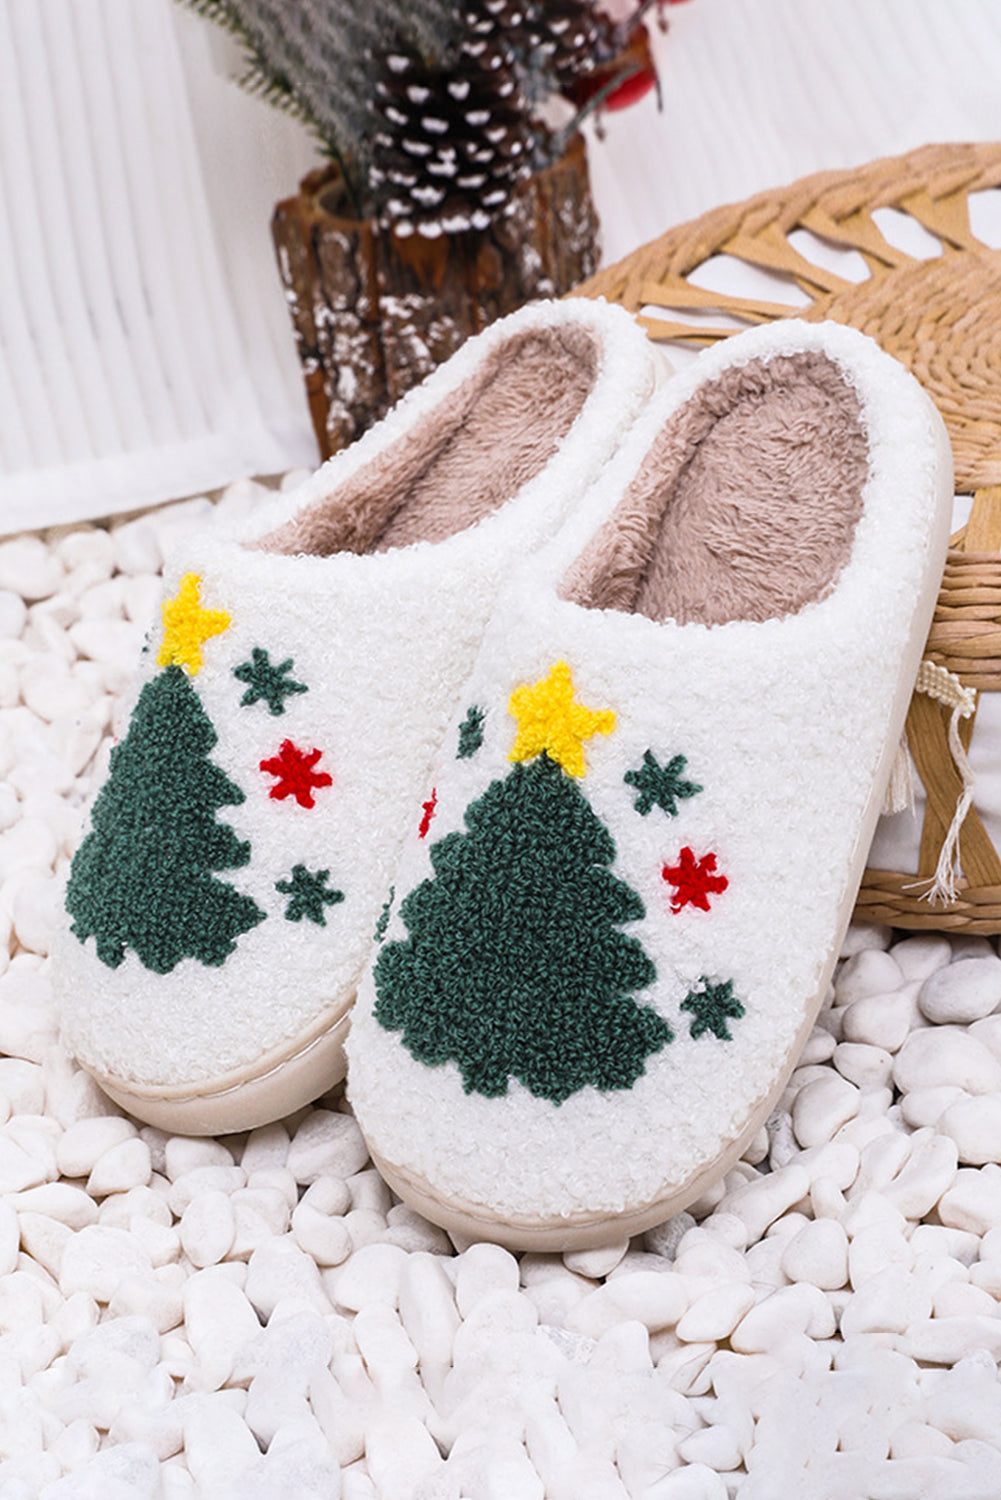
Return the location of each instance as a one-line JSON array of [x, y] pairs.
[[145, 350]]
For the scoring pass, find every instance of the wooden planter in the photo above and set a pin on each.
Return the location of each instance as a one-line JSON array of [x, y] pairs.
[[373, 313]]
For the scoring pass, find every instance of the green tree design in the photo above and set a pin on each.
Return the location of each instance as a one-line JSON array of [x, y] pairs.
[[142, 878], [514, 966]]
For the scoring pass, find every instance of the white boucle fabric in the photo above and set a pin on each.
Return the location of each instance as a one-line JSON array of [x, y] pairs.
[[788, 726], [383, 642]]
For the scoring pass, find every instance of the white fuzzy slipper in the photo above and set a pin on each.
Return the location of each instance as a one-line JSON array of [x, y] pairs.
[[225, 897], [651, 814]]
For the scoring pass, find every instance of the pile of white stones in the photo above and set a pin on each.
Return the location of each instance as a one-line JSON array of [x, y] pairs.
[[257, 1318]]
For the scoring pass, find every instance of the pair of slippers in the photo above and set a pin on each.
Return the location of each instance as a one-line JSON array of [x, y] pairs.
[[540, 736]]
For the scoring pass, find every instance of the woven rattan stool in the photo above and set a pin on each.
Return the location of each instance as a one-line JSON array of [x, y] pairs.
[[940, 316]]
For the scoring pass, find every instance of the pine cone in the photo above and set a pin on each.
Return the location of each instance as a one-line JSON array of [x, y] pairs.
[[574, 36], [451, 145]]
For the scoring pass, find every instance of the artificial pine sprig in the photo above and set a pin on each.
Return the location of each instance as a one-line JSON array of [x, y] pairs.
[[433, 109]]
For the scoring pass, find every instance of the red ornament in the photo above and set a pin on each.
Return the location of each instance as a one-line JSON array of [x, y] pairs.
[[429, 807], [635, 62], [693, 880], [294, 769]]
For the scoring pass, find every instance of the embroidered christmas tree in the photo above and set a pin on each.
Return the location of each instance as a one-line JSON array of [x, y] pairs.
[[144, 877], [516, 965]]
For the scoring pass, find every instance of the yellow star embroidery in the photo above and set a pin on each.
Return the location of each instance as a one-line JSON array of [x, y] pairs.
[[549, 720], [186, 626]]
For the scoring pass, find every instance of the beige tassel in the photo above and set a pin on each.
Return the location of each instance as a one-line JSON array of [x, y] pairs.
[[899, 795], [947, 689]]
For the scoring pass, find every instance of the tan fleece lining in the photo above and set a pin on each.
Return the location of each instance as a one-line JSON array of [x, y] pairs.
[[464, 459], [746, 505]]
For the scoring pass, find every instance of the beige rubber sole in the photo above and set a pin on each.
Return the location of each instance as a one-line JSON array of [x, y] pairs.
[[280, 1082], [579, 1231]]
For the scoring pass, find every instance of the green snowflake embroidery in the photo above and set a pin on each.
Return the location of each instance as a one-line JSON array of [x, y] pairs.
[[267, 681], [309, 895], [712, 1007], [660, 786], [471, 732]]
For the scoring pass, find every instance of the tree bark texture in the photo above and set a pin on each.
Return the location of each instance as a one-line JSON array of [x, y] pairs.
[[373, 313]]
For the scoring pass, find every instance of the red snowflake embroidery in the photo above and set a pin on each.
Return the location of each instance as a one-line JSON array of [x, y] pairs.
[[294, 769], [693, 880], [429, 807]]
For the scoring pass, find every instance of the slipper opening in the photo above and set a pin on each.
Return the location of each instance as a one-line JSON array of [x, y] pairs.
[[462, 460], [746, 504]]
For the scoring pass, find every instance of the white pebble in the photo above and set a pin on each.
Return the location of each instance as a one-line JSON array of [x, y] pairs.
[[930, 1171], [326, 1144], [696, 1481], [267, 1146], [158, 1298], [862, 1064], [184, 1153], [596, 1263], [789, 1310], [10, 806], [207, 1228], [20, 1169], [325, 1237], [975, 1126], [218, 1444], [716, 1313], [89, 550], [220, 1322], [865, 935], [9, 1239], [870, 972], [124, 1166], [29, 569], [22, 1087], [37, 911], [29, 845], [888, 1302], [13, 613], [51, 690], [818, 1253], [371, 1275], [482, 1270], [946, 1055], [115, 643], [412, 1232], [822, 1107], [140, 598], [944, 1341], [962, 992], [210, 1178], [278, 1269], [97, 1259], [915, 1439], [922, 954], [58, 1200], [401, 1456], [654, 1298], [259, 1214], [926, 1106], [82, 1145], [876, 1245], [136, 548], [973, 1202], [765, 1198], [880, 1020], [427, 1308]]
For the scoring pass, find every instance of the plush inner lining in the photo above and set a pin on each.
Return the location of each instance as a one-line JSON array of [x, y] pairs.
[[469, 455], [746, 505]]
